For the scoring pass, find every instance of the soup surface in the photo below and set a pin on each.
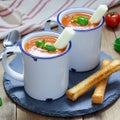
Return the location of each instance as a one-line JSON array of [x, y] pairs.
[[69, 21], [31, 47]]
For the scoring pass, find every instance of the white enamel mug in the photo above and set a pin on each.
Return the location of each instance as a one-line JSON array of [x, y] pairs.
[[86, 44], [44, 77]]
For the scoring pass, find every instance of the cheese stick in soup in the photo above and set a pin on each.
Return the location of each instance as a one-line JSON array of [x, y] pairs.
[[42, 46]]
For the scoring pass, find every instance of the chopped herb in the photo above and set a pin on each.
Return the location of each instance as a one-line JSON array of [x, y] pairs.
[[38, 43], [80, 20], [1, 102], [50, 48], [117, 45], [45, 46]]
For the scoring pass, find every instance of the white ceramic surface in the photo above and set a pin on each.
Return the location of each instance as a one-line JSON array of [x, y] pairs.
[[44, 78], [86, 44]]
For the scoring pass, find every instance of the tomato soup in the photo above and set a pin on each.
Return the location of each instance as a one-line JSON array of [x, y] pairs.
[[32, 48], [68, 21]]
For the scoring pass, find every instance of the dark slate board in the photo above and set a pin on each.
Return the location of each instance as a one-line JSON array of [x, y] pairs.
[[61, 107]]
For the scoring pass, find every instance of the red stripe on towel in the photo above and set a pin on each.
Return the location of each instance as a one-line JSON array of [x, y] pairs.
[[111, 3], [19, 3], [8, 6], [34, 7], [61, 8], [64, 6], [85, 5], [92, 2], [71, 3], [30, 28], [11, 27], [10, 9], [89, 3], [8, 27], [29, 16]]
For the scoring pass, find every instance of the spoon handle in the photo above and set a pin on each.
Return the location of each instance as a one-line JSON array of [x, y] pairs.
[[2, 53]]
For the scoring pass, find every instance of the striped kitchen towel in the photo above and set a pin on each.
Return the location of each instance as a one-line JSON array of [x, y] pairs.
[[30, 15]]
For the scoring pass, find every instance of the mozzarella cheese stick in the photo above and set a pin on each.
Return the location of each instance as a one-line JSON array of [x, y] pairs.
[[98, 14], [83, 86], [64, 38], [98, 94]]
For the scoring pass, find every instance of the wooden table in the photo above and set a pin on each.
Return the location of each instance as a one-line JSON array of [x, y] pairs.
[[11, 111]]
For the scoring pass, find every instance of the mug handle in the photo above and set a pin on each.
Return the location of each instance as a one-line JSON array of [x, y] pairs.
[[52, 22], [6, 66]]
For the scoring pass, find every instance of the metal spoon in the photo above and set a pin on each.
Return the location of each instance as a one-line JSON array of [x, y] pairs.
[[10, 40]]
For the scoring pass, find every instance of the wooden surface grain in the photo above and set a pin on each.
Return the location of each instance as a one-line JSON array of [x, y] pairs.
[[11, 111]]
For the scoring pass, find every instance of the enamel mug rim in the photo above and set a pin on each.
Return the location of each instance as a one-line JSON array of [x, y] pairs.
[[43, 79], [34, 34], [78, 9]]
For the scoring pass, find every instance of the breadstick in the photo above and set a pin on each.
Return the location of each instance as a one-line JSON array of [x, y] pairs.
[[98, 94], [83, 86]]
